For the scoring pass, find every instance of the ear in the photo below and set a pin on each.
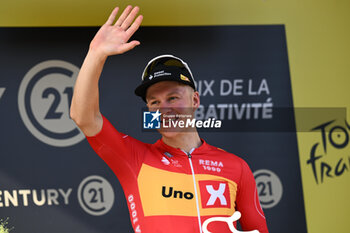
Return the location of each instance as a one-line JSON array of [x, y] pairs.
[[195, 99]]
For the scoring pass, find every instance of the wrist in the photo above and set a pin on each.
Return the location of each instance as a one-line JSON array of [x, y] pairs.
[[96, 54]]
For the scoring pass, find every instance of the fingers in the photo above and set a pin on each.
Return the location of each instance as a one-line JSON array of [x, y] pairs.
[[112, 16], [133, 28], [128, 46], [123, 16], [127, 22]]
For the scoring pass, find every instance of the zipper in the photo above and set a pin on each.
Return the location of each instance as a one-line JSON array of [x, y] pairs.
[[195, 189]]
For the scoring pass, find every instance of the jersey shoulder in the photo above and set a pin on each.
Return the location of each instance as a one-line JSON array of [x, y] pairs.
[[223, 153]]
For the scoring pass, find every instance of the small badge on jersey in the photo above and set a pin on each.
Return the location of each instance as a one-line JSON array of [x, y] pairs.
[[170, 161], [168, 154], [165, 161]]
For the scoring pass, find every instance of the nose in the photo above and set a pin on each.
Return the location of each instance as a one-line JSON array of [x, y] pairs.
[[164, 107]]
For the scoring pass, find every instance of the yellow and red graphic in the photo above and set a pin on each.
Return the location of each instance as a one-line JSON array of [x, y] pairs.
[[214, 194], [183, 77], [174, 193]]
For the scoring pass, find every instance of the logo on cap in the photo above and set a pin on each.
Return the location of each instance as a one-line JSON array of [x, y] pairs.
[[183, 77], [161, 73]]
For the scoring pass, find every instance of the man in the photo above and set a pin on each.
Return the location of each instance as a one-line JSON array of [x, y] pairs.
[[180, 181]]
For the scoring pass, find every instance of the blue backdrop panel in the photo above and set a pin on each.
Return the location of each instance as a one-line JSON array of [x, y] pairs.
[[52, 181]]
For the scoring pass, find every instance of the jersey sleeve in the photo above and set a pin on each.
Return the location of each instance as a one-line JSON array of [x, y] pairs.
[[248, 204], [121, 152]]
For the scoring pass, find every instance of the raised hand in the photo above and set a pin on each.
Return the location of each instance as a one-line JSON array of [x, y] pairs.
[[113, 39]]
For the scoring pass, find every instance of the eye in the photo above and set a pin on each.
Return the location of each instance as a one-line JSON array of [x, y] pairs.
[[155, 102], [172, 98]]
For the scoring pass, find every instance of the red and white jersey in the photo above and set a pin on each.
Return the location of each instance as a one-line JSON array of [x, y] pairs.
[[171, 191]]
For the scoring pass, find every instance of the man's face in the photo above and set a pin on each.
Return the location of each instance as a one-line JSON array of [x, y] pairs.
[[175, 101]]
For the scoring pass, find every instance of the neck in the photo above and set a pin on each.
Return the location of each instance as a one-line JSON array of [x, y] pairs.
[[184, 141]]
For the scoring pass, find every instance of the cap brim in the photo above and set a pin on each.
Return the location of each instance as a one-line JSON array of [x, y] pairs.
[[141, 90]]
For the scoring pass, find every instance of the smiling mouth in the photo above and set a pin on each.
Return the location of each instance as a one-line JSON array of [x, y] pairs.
[[168, 119]]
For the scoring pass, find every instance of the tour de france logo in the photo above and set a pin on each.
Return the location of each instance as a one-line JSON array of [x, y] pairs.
[[44, 98]]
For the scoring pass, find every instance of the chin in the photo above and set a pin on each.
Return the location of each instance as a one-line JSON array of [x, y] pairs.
[[173, 132], [169, 134]]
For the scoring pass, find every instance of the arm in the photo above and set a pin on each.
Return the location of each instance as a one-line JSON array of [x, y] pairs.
[[248, 204], [111, 39]]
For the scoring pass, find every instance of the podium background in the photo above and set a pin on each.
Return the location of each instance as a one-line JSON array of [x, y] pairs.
[[311, 43]]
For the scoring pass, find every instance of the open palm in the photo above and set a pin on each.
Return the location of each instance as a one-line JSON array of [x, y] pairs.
[[113, 39]]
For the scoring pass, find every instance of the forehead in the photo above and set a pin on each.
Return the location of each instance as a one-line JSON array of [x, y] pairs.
[[164, 88]]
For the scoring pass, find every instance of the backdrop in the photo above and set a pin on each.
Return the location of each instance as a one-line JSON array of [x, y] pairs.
[[48, 170]]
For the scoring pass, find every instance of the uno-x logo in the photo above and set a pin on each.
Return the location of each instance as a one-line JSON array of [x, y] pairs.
[[229, 220], [214, 194], [176, 193]]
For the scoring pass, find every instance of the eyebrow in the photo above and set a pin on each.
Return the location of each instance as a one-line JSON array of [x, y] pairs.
[[171, 93], [150, 98], [174, 92]]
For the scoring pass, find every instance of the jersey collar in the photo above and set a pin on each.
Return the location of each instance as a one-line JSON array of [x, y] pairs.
[[166, 148]]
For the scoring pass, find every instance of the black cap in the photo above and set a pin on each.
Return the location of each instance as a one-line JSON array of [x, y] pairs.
[[164, 68]]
